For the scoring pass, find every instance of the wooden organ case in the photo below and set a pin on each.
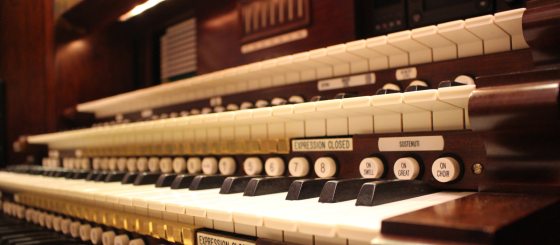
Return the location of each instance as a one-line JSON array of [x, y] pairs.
[[441, 126]]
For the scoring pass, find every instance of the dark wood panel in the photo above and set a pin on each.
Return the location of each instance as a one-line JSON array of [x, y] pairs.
[[482, 218], [26, 55]]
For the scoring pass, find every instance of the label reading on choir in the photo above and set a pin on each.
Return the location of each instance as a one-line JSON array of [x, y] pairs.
[[204, 238], [406, 73], [345, 82], [333, 144], [418, 143]]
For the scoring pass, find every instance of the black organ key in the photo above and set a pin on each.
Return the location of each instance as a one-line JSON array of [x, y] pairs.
[[268, 185], [235, 184], [115, 177], [306, 188], [146, 178], [182, 181], [165, 180], [203, 182], [129, 178], [384, 191], [341, 190]]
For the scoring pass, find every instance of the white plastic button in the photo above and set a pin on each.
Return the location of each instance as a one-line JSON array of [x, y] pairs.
[[96, 165], [84, 164], [65, 226], [165, 165], [252, 166], [446, 169], [274, 166], [406, 168], [371, 167], [209, 165], [85, 231], [142, 164], [298, 166], [75, 229], [194, 165], [122, 240], [95, 235], [112, 163], [227, 165], [325, 167], [179, 165], [131, 164], [104, 163], [57, 223], [136, 241], [41, 217], [153, 164], [49, 221], [121, 164], [108, 238]]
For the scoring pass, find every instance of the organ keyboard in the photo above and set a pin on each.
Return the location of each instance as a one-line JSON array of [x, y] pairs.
[[354, 142]]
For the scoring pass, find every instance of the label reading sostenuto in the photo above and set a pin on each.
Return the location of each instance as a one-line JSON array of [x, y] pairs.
[[415, 143]]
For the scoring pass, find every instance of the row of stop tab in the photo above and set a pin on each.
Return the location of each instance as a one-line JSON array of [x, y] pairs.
[[423, 110]]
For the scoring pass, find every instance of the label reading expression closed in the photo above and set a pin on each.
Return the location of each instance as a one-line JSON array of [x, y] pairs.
[[333, 144]]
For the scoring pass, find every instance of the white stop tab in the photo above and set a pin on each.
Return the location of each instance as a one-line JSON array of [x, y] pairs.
[[406, 168], [371, 167], [446, 169]]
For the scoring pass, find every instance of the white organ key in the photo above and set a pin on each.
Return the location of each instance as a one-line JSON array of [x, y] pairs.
[[387, 115], [252, 166], [227, 165], [468, 44], [153, 164], [396, 57], [360, 121], [511, 22], [417, 52], [179, 165], [194, 165], [373, 60], [494, 38], [355, 62], [209, 165], [166, 165], [274, 166], [442, 48]]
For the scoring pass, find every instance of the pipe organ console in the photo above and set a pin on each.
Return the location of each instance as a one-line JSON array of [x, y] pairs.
[[445, 133]]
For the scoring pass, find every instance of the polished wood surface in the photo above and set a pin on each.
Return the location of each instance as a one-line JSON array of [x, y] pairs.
[[482, 218], [26, 54], [540, 21]]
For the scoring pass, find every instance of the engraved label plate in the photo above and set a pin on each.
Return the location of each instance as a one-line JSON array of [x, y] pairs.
[[406, 73], [206, 238], [332, 144], [345, 82], [416, 143]]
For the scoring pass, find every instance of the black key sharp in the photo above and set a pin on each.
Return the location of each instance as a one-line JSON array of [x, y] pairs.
[[146, 178], [129, 178], [116, 176], [305, 188], [341, 190], [92, 175], [101, 176], [165, 180], [235, 184], [69, 174], [385, 191], [182, 181], [203, 182], [80, 174], [268, 185]]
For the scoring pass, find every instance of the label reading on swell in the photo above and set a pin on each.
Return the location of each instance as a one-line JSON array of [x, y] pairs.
[[204, 238], [406, 73], [417, 143], [333, 144]]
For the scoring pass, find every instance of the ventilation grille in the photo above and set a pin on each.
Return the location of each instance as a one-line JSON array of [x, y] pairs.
[[178, 51]]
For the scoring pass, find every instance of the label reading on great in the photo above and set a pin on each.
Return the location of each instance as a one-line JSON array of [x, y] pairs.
[[203, 238], [331, 144]]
